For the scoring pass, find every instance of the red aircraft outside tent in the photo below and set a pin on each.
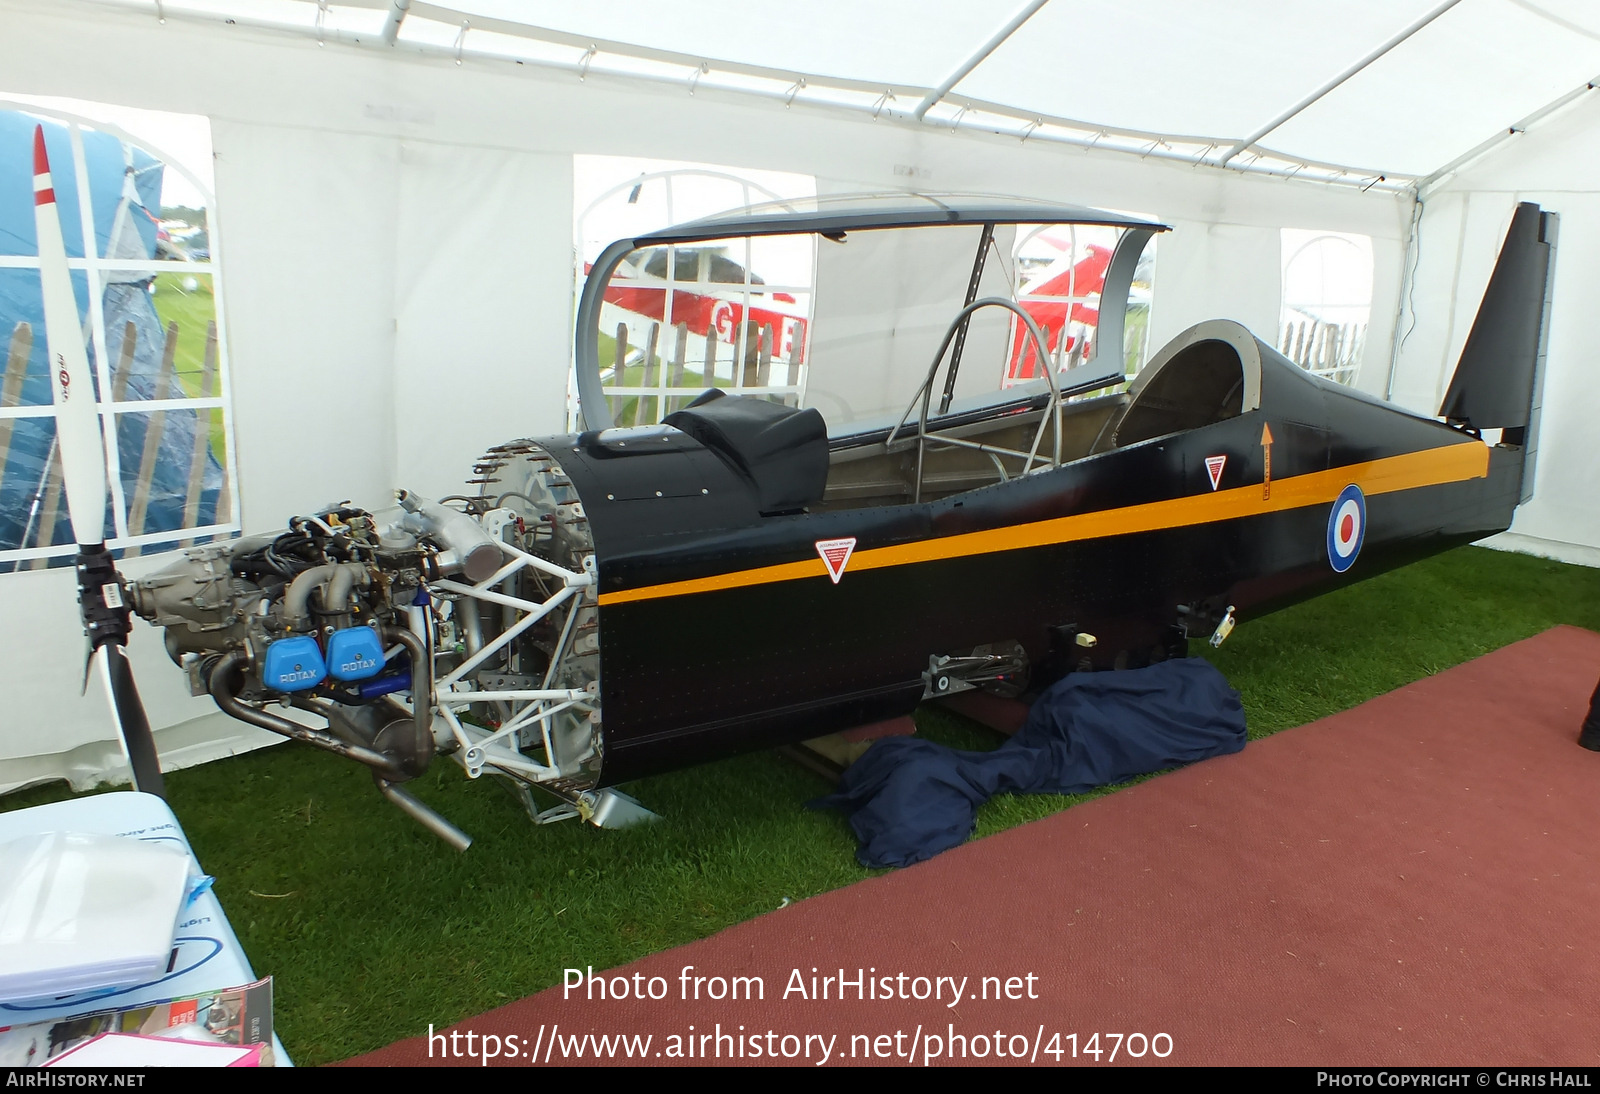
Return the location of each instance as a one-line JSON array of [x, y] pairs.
[[1054, 304]]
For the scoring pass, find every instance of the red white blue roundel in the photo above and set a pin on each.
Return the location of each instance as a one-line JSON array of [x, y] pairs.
[[1347, 527]]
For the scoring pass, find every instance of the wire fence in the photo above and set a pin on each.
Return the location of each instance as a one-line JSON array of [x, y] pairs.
[[1332, 350], [640, 378]]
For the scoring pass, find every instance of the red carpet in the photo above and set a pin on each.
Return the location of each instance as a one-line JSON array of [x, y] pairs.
[[1415, 881]]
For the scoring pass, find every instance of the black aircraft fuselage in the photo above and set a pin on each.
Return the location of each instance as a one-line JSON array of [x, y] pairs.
[[722, 630], [762, 583], [619, 602]]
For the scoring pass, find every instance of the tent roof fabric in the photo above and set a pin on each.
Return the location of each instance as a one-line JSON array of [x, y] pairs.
[[1365, 92]]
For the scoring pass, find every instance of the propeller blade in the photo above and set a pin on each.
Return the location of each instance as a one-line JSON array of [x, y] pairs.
[[83, 457], [83, 479], [137, 740]]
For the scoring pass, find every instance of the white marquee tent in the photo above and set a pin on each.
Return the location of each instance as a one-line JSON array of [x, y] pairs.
[[393, 206]]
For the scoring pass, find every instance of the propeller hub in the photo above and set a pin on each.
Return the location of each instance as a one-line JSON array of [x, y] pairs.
[[100, 602]]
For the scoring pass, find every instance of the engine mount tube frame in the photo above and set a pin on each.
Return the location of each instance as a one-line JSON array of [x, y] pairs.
[[499, 748]]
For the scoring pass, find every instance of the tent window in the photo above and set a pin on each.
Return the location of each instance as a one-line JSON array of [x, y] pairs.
[[678, 320], [1327, 300], [1059, 270], [148, 295]]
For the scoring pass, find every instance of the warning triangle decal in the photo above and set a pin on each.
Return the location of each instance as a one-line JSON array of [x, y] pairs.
[[836, 555], [1214, 465]]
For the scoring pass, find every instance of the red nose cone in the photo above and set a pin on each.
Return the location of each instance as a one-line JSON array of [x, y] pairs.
[[41, 162]]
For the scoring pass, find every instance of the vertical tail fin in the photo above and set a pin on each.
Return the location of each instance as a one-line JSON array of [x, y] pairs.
[[1498, 381]]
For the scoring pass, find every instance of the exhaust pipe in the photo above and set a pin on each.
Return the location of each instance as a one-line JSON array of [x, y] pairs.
[[424, 816], [224, 689]]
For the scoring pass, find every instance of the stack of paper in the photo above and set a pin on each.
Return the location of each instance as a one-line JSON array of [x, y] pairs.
[[130, 1050], [79, 912]]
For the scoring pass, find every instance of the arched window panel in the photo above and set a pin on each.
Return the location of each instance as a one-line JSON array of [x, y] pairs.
[[1327, 301], [136, 185]]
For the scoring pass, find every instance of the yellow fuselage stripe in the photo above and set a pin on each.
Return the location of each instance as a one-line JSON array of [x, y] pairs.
[[1430, 467]]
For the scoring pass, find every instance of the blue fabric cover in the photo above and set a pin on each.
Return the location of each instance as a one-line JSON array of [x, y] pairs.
[[908, 799]]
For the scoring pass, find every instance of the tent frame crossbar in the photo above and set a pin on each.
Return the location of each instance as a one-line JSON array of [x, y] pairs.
[[1325, 89], [639, 63], [978, 56]]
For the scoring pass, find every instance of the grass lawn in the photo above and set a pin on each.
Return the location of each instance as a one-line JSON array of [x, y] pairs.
[[625, 408], [193, 311], [373, 929]]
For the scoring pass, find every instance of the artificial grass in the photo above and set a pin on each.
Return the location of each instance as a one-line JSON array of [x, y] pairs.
[[373, 929]]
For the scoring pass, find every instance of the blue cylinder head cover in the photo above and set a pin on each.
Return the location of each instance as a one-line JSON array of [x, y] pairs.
[[355, 653], [293, 664]]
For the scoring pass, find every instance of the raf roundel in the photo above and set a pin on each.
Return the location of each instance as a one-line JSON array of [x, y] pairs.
[[1347, 527]]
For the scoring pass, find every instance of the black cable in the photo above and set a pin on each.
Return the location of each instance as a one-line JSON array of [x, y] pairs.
[[1411, 288]]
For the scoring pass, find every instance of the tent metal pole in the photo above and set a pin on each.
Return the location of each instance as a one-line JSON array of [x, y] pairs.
[[972, 62], [1426, 184], [1337, 80], [396, 16]]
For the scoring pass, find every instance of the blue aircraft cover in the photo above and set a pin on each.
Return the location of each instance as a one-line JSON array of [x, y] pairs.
[[122, 179], [908, 799]]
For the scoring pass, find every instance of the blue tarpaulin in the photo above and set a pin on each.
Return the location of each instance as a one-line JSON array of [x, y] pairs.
[[908, 799], [124, 185]]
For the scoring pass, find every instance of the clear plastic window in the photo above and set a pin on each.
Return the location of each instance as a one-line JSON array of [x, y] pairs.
[[1327, 301], [148, 303], [850, 323]]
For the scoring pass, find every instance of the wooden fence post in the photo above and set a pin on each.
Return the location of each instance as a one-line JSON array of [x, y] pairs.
[[764, 356], [651, 374], [140, 509], [202, 436], [745, 369], [51, 506], [675, 373], [797, 349], [11, 387]]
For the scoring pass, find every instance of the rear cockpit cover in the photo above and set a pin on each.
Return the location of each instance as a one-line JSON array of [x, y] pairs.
[[1209, 373], [782, 451]]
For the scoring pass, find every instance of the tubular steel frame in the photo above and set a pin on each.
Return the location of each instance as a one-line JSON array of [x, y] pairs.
[[499, 748]]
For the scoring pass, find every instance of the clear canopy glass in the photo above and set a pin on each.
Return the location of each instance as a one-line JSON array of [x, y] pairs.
[[851, 322]]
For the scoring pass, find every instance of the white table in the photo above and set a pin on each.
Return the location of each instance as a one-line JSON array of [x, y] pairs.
[[209, 957]]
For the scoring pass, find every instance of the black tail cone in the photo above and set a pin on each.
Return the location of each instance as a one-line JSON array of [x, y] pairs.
[[1589, 735]]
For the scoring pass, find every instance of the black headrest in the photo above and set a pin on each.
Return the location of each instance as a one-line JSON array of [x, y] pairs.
[[781, 450]]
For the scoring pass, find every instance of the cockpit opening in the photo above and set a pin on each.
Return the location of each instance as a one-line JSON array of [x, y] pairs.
[[1202, 384]]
